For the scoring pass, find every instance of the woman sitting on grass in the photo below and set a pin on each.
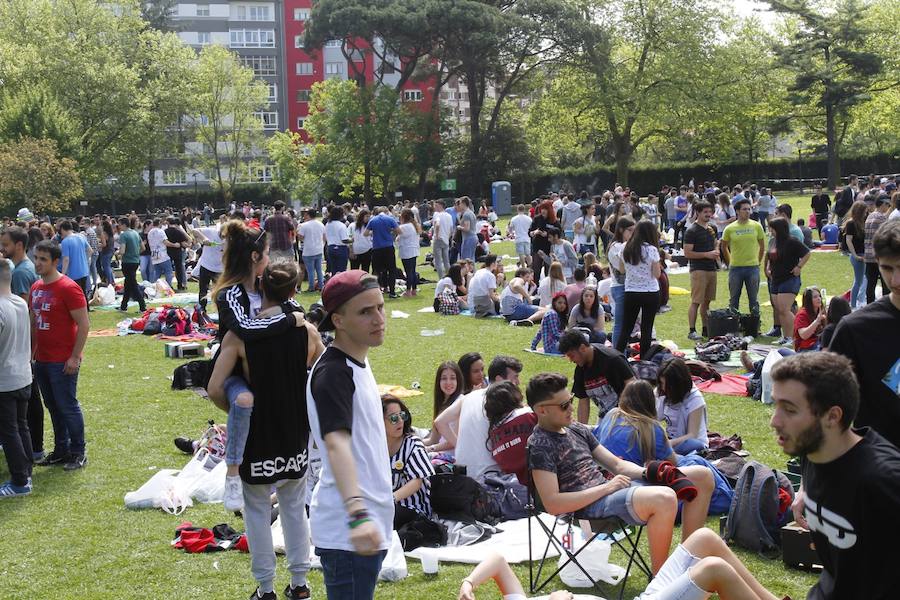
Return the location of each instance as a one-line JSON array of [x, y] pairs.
[[682, 407], [510, 424], [451, 287], [472, 366], [551, 284], [411, 468], [588, 314], [448, 386], [838, 308], [553, 325], [809, 321]]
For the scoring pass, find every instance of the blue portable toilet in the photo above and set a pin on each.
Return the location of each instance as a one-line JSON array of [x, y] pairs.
[[830, 233], [501, 197]]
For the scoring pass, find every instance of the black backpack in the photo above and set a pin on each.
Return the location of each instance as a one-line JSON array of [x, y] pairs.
[[191, 375], [461, 498]]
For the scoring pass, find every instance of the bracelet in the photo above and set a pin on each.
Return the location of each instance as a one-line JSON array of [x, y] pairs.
[[469, 581], [351, 499], [358, 522]]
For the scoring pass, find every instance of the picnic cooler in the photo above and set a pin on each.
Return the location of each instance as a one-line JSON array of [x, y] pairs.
[[723, 321]]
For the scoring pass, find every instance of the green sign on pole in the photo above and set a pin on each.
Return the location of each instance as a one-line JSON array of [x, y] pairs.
[[448, 185]]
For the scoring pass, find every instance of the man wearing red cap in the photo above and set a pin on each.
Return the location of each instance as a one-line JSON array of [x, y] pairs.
[[352, 507]]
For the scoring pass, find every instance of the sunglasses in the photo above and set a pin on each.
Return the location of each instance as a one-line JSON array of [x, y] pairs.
[[563, 406], [395, 418]]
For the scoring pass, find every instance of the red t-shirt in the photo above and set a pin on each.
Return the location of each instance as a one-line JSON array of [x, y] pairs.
[[55, 327], [801, 320], [508, 440]]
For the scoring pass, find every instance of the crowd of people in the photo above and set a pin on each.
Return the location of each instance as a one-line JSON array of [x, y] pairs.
[[375, 469]]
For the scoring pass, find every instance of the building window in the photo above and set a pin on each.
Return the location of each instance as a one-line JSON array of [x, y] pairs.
[[269, 120], [203, 10], [303, 95], [301, 122], [334, 43], [273, 92], [252, 38], [262, 174], [173, 177], [298, 41], [412, 95], [301, 14], [251, 13], [334, 68], [261, 65], [305, 68], [204, 38]]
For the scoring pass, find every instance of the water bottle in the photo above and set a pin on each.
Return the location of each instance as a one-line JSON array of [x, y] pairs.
[[591, 281]]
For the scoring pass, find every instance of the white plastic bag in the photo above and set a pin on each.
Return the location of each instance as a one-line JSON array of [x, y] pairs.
[[394, 566], [211, 489], [595, 560], [773, 357], [193, 474], [107, 295], [151, 493]]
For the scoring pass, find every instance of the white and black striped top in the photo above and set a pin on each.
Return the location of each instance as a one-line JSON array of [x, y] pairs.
[[412, 462]]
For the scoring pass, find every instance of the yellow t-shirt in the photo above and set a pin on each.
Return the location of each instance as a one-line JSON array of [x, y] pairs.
[[743, 243]]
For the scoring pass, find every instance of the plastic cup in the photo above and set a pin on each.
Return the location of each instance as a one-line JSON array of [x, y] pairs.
[[429, 562]]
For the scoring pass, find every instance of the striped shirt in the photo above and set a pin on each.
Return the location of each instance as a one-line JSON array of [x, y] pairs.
[[873, 222], [411, 462]]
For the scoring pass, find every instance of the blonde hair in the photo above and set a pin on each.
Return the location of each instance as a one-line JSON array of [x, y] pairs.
[[637, 408]]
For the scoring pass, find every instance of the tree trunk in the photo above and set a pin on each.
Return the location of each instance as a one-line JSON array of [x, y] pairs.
[[623, 162], [834, 161], [475, 106], [151, 183]]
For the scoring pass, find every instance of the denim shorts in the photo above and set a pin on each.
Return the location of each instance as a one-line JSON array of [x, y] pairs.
[[523, 248], [789, 286], [523, 310], [618, 504], [673, 582]]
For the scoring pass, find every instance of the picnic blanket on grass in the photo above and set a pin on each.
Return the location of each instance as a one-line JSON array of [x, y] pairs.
[[730, 385]]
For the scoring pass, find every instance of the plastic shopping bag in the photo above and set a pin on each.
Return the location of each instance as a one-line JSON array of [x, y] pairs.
[[151, 493], [211, 489], [394, 566], [595, 560]]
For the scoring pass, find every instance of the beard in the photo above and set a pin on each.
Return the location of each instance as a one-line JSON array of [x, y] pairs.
[[807, 441]]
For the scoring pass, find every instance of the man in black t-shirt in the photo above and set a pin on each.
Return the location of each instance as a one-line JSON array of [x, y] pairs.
[[702, 250], [870, 337], [178, 242], [600, 373], [849, 498], [821, 206]]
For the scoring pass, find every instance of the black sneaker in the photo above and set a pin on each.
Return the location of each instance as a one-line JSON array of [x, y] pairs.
[[301, 592], [774, 332], [54, 458], [267, 596], [76, 461], [185, 445]]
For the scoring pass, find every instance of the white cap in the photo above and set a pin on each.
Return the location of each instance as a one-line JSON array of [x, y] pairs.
[[884, 180], [24, 215]]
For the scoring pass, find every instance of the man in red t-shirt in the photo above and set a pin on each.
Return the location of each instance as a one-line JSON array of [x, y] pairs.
[[59, 331]]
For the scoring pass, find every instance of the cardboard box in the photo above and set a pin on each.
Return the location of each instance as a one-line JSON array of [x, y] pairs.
[[171, 350], [798, 549], [190, 350]]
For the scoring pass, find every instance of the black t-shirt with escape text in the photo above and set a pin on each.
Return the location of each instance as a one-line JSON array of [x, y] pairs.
[[870, 337], [851, 506], [604, 379]]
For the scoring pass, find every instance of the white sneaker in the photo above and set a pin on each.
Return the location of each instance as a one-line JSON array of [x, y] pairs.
[[233, 499]]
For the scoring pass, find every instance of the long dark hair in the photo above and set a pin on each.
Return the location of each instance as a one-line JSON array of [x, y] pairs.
[[622, 224], [807, 301], [678, 381], [645, 232], [838, 308], [441, 403], [455, 274], [392, 399], [782, 233], [500, 399], [595, 309], [360, 223], [465, 363], [240, 242]]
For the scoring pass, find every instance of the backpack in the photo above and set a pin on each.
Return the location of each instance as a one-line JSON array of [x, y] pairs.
[[509, 496], [191, 375], [461, 498], [754, 521], [448, 303], [177, 322]]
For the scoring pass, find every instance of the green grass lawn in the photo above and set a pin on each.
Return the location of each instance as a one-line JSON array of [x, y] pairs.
[[73, 538]]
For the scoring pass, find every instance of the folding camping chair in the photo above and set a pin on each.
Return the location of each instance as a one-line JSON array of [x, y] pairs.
[[619, 533]]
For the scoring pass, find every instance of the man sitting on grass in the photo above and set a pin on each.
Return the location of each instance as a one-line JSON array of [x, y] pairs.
[[567, 463]]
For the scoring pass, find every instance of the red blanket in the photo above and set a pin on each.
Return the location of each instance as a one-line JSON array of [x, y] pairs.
[[731, 385]]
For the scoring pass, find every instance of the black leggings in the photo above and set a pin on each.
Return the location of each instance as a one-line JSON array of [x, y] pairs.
[[362, 261], [873, 274], [645, 303], [385, 264], [206, 277]]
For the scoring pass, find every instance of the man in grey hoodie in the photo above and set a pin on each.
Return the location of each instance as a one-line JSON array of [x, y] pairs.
[[569, 213]]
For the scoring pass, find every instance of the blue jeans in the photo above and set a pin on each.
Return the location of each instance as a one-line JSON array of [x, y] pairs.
[[106, 271], [59, 392], [146, 267], [618, 504], [94, 276], [337, 258], [409, 267], [238, 421], [618, 295], [859, 281], [688, 446], [163, 268], [748, 277], [313, 266], [467, 248], [350, 576]]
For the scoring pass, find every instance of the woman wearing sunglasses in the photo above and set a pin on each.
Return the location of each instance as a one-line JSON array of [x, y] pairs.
[[410, 466]]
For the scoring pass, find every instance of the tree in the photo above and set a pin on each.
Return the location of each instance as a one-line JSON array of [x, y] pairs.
[[35, 113], [832, 70], [158, 13], [227, 119], [33, 175], [286, 153]]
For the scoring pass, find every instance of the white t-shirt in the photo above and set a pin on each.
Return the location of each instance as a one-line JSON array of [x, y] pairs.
[[639, 277], [408, 241], [156, 238], [313, 233], [676, 416], [444, 284], [483, 283], [547, 288], [336, 232], [211, 259], [614, 255], [472, 435], [361, 242], [588, 233], [721, 216], [519, 225], [445, 227], [895, 214]]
